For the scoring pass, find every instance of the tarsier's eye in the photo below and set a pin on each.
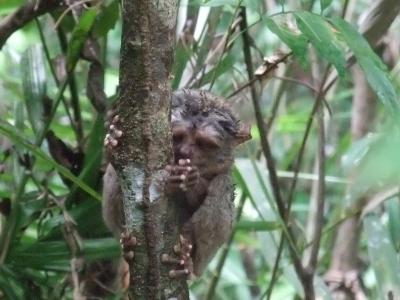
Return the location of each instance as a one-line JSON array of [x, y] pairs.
[[207, 143], [178, 136]]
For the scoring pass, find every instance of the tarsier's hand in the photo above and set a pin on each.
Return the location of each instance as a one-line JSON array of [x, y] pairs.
[[182, 176], [111, 139]]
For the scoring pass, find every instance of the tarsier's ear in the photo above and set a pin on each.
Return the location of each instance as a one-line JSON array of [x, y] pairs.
[[243, 134]]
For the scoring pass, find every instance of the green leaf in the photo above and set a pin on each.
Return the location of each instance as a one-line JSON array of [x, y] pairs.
[[224, 66], [214, 3], [297, 42], [383, 257], [375, 71], [78, 38], [182, 56], [393, 208], [92, 161], [322, 36], [107, 19], [9, 131], [55, 255], [9, 284], [34, 85], [6, 7], [325, 4]]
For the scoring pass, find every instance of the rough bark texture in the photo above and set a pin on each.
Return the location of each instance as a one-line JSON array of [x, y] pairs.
[[145, 147]]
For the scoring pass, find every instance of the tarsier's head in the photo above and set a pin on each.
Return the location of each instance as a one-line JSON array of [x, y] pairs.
[[204, 130]]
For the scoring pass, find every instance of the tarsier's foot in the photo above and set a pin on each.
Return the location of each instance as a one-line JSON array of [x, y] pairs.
[[111, 139], [184, 262], [183, 175], [345, 280], [128, 243]]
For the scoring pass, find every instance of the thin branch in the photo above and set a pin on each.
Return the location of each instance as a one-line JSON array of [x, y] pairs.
[[268, 154], [271, 67], [25, 14], [318, 221]]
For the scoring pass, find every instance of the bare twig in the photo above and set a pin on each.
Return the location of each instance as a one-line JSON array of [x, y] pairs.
[[271, 67], [318, 220]]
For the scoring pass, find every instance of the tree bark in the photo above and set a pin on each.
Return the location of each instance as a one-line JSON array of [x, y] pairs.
[[148, 37]]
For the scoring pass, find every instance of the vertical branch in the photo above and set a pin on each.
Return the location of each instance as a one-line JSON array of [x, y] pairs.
[[144, 108]]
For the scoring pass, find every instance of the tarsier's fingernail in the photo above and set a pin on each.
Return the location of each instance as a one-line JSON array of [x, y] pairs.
[[129, 255], [132, 242], [112, 126], [114, 142], [165, 258], [176, 273], [118, 133]]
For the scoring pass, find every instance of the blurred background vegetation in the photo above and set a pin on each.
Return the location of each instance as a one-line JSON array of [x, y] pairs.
[[317, 187]]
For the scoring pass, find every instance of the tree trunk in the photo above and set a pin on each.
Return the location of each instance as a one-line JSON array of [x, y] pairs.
[[148, 37]]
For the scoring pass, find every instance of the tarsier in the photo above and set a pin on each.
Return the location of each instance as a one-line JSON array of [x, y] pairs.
[[205, 133]]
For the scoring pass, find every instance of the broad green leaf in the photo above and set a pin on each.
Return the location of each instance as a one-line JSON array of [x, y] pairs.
[[182, 56], [78, 38], [325, 4], [8, 131], [8, 6], [382, 256], [322, 36], [297, 42], [375, 71], [393, 208], [34, 85], [379, 167], [107, 19]]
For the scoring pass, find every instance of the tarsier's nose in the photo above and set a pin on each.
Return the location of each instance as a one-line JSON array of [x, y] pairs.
[[185, 152]]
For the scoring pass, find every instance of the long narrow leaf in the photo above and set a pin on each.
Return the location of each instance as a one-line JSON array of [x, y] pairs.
[[322, 37], [374, 69], [8, 131]]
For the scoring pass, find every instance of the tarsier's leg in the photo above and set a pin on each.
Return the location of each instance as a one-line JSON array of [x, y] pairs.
[[128, 243], [184, 263], [212, 222]]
